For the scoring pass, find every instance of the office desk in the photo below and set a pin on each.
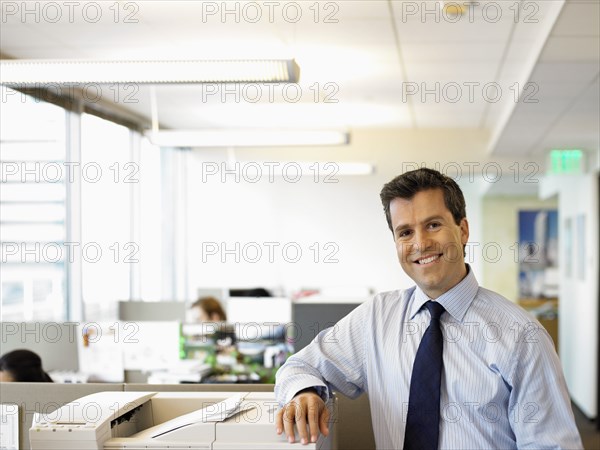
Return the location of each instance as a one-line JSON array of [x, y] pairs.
[[546, 311]]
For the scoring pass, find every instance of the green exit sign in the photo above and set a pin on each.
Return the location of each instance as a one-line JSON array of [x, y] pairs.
[[566, 162]]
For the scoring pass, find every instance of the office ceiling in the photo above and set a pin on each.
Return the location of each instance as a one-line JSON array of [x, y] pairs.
[[367, 59]]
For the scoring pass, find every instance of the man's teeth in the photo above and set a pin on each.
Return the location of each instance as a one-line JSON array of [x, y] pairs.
[[428, 260]]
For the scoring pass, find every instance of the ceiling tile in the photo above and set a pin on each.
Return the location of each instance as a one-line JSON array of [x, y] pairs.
[[350, 47], [580, 72], [465, 52], [570, 49], [579, 18]]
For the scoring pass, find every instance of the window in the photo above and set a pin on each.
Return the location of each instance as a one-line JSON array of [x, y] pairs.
[[107, 247], [93, 221], [32, 208]]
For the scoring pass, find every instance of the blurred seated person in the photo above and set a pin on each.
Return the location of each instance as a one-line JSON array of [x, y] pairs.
[[22, 365], [208, 309]]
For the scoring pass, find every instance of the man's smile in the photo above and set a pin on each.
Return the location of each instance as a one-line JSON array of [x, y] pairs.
[[426, 260]]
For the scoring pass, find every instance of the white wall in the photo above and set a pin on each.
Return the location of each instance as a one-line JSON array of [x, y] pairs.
[[346, 215], [578, 306]]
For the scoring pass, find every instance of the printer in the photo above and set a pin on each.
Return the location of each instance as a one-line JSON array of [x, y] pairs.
[[167, 420]]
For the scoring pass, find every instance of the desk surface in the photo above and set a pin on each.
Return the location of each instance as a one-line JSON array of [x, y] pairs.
[[546, 311]]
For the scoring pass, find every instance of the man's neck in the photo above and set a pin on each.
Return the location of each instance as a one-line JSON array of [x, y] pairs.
[[433, 295]]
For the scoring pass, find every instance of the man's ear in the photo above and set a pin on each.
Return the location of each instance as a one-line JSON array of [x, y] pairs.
[[464, 231]]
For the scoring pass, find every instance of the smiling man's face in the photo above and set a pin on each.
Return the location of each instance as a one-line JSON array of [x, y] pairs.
[[428, 241]]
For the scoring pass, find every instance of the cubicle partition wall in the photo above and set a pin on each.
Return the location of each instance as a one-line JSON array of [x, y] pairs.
[[55, 342], [353, 418], [43, 398], [311, 318], [152, 311]]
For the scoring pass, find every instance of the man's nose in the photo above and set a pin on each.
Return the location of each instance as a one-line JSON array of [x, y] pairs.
[[422, 242]]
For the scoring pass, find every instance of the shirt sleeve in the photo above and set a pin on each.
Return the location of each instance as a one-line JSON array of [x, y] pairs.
[[539, 406], [333, 361]]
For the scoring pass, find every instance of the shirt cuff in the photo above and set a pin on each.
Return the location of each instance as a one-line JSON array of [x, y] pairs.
[[321, 391]]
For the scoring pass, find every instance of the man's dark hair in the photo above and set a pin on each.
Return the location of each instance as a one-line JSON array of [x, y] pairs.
[[408, 184]]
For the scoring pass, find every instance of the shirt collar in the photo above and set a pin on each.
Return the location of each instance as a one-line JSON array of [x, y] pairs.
[[456, 301]]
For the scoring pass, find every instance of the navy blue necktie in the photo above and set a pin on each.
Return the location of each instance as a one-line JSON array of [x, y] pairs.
[[423, 419]]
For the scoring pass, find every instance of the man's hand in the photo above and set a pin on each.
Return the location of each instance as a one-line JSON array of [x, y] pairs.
[[305, 408]]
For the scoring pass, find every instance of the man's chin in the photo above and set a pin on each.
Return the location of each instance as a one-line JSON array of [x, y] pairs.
[[427, 286]]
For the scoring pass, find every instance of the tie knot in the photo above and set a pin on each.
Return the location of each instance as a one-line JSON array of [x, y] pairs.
[[435, 309]]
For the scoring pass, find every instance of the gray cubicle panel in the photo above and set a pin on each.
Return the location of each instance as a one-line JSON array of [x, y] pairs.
[[200, 387], [152, 311], [311, 318], [54, 342], [354, 426]]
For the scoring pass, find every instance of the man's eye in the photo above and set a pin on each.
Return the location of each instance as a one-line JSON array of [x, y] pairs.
[[434, 225], [404, 234]]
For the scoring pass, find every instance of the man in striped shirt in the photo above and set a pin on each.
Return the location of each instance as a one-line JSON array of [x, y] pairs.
[[501, 386]]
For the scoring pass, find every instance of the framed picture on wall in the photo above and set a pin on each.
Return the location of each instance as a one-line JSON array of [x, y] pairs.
[[538, 254]]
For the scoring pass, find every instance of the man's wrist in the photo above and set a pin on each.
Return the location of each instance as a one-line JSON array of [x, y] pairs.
[[307, 390], [318, 390]]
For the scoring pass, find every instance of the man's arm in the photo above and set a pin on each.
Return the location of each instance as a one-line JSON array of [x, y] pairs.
[[333, 361], [540, 408]]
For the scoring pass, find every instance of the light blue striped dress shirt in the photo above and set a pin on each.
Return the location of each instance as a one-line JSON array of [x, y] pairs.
[[502, 384]]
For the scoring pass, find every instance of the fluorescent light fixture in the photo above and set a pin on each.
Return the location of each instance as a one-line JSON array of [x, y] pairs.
[[36, 71], [246, 138], [289, 169]]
